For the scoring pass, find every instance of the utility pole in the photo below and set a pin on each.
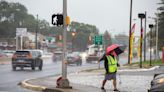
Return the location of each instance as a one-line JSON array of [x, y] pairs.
[[36, 34], [145, 38], [130, 23], [21, 41]]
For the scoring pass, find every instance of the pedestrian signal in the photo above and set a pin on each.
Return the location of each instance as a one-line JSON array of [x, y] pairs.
[[57, 19]]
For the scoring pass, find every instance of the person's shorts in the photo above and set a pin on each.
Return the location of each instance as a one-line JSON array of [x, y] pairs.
[[110, 76]]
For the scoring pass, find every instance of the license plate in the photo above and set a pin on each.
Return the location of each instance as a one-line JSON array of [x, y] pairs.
[[20, 61]]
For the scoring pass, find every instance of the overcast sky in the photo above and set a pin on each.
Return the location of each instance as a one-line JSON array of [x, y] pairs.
[[111, 15]]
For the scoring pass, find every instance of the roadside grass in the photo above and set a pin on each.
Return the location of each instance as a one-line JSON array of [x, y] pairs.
[[5, 59], [146, 64]]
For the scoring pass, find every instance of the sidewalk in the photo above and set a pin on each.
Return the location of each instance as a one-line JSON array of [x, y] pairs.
[[136, 80]]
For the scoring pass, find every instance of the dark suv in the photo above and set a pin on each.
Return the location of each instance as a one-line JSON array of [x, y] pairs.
[[27, 58]]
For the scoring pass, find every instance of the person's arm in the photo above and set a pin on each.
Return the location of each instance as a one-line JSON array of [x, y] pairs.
[[102, 58], [106, 65], [118, 64], [118, 61]]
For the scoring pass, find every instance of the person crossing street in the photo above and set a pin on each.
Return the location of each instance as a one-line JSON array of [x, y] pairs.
[[110, 65]]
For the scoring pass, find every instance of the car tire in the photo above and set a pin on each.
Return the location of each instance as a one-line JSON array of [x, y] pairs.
[[80, 62], [77, 63], [22, 68], [33, 68], [33, 65], [40, 66], [14, 68]]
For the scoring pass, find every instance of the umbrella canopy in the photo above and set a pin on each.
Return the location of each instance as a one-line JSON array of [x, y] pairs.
[[116, 48]]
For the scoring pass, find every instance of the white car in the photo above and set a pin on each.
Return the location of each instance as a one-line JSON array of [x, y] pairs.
[[9, 53]]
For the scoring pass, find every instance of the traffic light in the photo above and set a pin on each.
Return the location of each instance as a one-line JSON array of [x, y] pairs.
[[57, 19]]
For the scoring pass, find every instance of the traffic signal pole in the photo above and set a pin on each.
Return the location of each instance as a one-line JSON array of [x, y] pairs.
[[36, 34], [64, 83], [64, 68]]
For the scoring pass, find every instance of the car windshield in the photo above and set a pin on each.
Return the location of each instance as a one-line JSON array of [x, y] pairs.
[[159, 76], [22, 52]]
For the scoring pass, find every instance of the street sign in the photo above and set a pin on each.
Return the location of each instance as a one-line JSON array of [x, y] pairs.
[[98, 39], [21, 31]]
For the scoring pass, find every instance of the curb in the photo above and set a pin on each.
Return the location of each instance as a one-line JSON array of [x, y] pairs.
[[139, 70], [25, 84], [125, 70]]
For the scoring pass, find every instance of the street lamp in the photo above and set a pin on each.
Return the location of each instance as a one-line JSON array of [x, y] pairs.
[[150, 26], [141, 16], [145, 36], [73, 35], [156, 34]]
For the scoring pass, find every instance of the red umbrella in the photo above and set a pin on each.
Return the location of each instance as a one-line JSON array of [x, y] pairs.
[[114, 47]]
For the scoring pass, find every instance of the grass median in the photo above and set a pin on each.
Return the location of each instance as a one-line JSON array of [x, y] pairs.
[[4, 60], [146, 64]]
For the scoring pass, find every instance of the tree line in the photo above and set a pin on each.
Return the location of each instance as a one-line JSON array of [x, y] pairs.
[[15, 15], [160, 16]]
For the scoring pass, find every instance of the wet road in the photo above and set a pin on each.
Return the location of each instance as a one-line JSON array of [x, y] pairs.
[[9, 79]]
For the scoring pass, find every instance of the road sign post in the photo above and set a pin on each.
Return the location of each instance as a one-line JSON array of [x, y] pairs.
[[98, 40], [20, 32]]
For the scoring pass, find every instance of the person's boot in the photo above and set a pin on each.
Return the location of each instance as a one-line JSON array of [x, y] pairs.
[[116, 90], [102, 88]]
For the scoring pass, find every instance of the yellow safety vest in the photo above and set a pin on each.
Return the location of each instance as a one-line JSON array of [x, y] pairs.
[[112, 64]]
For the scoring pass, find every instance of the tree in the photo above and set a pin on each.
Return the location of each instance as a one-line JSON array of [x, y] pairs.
[[161, 25], [107, 39], [122, 39], [83, 31], [14, 15]]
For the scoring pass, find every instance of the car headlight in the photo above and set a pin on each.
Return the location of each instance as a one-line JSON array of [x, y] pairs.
[[84, 55], [161, 80]]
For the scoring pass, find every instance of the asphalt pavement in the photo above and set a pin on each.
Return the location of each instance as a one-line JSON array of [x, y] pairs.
[[9, 79]]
